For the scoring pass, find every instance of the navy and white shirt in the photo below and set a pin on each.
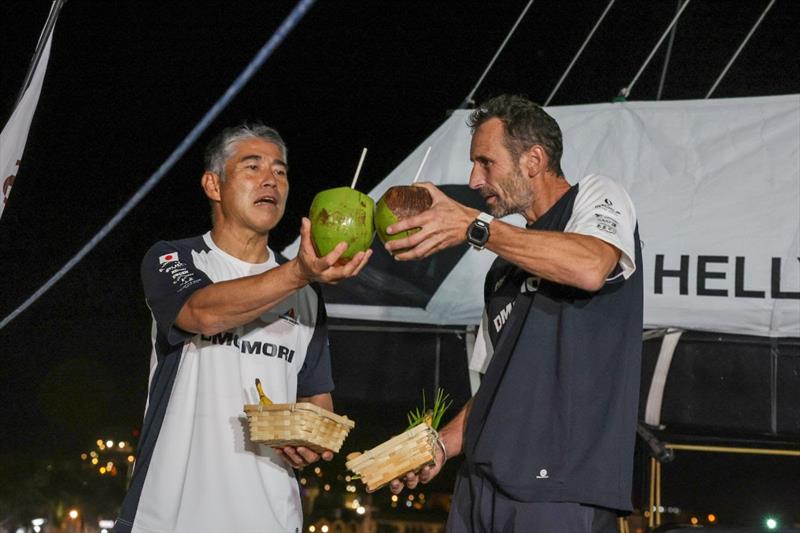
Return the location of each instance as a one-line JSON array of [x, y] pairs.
[[196, 469], [555, 416]]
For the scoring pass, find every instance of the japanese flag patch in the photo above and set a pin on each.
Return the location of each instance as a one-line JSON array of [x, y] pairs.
[[168, 258]]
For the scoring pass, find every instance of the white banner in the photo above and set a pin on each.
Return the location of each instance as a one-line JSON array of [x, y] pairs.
[[15, 133], [716, 185]]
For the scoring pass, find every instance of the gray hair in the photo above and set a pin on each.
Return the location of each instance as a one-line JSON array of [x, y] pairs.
[[221, 148], [526, 124]]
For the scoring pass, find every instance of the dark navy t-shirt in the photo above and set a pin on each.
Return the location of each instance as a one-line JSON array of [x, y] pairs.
[[555, 416]]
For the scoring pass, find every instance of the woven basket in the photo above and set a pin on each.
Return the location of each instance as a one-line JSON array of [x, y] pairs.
[[407, 452], [297, 424]]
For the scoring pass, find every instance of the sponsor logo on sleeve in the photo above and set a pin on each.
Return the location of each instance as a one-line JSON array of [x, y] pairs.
[[182, 277], [607, 206], [606, 223]]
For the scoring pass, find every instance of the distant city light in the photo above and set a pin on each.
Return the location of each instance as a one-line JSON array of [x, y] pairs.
[[110, 443], [317, 470], [84, 456], [37, 522], [408, 503], [712, 518], [771, 523], [102, 470], [99, 443], [73, 513], [95, 461], [694, 520], [394, 497], [130, 458], [327, 487], [121, 444], [105, 524], [361, 510], [324, 528], [312, 528], [303, 481]]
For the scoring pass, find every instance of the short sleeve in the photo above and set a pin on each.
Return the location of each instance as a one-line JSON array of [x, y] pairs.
[[315, 375], [604, 210], [170, 277]]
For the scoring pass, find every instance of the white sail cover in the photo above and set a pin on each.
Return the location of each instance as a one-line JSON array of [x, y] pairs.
[[716, 184]]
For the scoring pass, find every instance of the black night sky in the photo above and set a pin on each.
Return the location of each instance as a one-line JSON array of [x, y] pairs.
[[127, 80]]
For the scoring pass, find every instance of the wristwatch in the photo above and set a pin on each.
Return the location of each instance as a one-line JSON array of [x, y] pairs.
[[478, 231]]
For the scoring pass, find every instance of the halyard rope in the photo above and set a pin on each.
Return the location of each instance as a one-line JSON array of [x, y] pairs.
[[468, 100], [266, 51], [626, 91], [580, 51], [738, 50]]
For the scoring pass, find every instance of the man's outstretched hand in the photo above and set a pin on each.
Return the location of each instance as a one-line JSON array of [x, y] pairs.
[[313, 268], [442, 226]]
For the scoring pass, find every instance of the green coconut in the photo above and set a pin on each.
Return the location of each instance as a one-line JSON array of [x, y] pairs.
[[342, 215], [398, 203]]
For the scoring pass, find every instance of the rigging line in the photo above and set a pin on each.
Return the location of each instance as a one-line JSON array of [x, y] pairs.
[[667, 57], [626, 91], [580, 51], [468, 100], [741, 46], [266, 51]]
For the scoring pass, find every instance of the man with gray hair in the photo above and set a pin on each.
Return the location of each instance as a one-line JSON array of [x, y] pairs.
[[548, 438], [226, 313]]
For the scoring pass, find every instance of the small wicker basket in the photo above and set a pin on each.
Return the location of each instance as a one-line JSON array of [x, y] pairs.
[[407, 452], [297, 424]]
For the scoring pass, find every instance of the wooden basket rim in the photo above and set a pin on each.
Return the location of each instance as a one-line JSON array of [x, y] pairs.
[[299, 406], [375, 452]]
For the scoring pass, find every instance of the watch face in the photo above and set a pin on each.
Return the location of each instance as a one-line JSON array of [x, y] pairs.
[[478, 234]]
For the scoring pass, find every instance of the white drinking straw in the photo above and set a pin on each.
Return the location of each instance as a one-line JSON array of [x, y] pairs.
[[358, 170], [419, 170]]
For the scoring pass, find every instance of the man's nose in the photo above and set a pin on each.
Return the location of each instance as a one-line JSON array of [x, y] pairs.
[[269, 179], [476, 178]]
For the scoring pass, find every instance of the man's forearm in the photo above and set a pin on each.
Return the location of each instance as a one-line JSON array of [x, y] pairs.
[[452, 434], [324, 400], [229, 304], [568, 258]]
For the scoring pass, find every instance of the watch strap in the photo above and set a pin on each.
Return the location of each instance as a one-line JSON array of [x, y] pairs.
[[485, 217]]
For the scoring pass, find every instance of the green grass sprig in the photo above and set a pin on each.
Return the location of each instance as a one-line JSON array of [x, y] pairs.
[[432, 416]]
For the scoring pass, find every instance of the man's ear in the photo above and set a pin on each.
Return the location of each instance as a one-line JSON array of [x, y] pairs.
[[211, 183], [534, 160]]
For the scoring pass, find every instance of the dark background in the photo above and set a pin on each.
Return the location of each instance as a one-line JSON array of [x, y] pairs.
[[127, 80]]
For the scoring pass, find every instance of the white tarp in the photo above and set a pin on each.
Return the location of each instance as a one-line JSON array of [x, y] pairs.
[[716, 184], [15, 133]]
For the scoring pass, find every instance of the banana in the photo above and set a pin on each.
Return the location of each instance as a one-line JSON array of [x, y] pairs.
[[262, 398]]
